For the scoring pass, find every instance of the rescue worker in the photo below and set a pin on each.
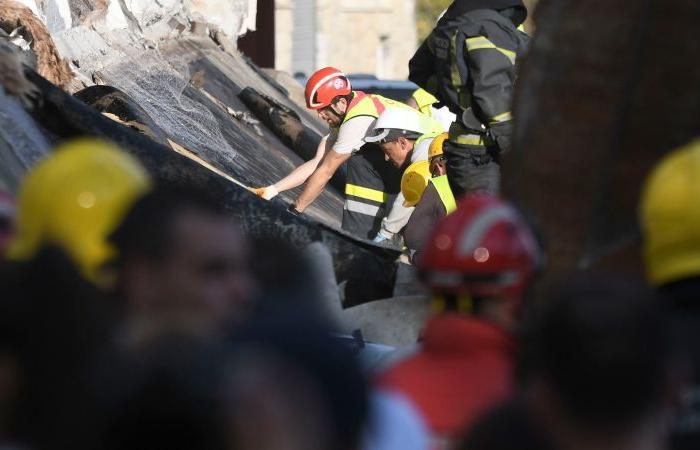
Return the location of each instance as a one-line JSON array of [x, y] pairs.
[[404, 136], [478, 263], [670, 221], [468, 63], [371, 180], [55, 316], [427, 104], [7, 220], [435, 202], [598, 372], [73, 200]]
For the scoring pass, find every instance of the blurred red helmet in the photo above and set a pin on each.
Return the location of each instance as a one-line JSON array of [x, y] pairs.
[[325, 85], [484, 249]]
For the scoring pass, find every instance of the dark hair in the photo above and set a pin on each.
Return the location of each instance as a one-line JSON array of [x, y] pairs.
[[347, 97], [509, 426], [602, 345], [165, 395], [53, 325], [147, 229], [307, 343]]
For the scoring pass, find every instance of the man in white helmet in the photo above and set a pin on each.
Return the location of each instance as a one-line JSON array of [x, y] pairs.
[[404, 136], [371, 180]]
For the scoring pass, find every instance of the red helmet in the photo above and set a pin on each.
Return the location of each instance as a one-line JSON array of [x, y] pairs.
[[325, 85], [484, 249]]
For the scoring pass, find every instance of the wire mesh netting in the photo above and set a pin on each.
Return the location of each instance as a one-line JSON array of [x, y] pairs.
[[159, 88]]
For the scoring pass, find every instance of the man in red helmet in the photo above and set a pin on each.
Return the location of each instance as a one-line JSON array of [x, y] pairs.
[[371, 180], [478, 262]]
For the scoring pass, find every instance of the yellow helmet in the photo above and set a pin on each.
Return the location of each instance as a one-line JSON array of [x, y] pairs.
[[74, 199], [414, 181], [436, 146], [670, 217]]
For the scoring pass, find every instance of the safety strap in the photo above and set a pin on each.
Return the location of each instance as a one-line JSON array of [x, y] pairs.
[[447, 198]]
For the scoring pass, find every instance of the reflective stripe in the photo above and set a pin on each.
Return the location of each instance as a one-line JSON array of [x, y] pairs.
[[502, 117], [468, 139], [366, 193], [361, 208], [455, 76], [447, 198], [481, 42]]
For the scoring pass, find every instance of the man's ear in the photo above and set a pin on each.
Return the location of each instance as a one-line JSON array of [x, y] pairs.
[[140, 283]]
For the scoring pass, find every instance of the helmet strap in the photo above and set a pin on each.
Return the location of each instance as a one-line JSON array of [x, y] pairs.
[[456, 303], [332, 109]]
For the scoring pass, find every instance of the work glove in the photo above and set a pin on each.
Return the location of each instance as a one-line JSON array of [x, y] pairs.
[[381, 238], [500, 135], [268, 193]]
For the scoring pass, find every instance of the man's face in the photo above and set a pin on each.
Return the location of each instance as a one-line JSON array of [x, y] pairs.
[[206, 277], [397, 151], [333, 114], [438, 166]]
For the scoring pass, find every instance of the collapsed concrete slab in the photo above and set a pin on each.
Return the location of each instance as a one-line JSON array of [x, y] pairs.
[[367, 271], [172, 99]]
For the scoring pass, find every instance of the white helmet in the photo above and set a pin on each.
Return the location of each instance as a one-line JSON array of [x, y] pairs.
[[406, 121]]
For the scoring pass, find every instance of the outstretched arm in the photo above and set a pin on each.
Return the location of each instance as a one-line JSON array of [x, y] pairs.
[[299, 175], [320, 178]]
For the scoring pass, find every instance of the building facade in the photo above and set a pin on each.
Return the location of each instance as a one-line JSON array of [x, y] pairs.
[[375, 37]]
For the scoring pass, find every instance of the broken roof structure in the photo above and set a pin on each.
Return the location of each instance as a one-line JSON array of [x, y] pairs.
[[165, 81]]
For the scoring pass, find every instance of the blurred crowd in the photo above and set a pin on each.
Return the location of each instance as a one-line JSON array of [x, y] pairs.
[[135, 315]]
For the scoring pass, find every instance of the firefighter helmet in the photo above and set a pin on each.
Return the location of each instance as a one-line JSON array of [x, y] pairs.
[[483, 249], [325, 85]]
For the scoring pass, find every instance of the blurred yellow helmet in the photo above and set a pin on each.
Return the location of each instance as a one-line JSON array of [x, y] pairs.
[[670, 217], [74, 199], [414, 181], [436, 146]]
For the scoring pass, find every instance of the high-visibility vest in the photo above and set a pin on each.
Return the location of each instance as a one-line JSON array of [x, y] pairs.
[[425, 101], [445, 193], [429, 135], [370, 105]]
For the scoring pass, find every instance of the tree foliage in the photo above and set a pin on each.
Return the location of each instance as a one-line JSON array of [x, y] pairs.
[[427, 12]]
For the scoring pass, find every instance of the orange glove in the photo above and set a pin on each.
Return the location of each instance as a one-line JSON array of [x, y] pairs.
[[268, 193]]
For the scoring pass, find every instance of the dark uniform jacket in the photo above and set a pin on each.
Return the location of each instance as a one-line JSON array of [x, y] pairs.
[[468, 63], [683, 300], [427, 213]]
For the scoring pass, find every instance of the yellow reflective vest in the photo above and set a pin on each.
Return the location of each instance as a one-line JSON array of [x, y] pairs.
[[445, 192]]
